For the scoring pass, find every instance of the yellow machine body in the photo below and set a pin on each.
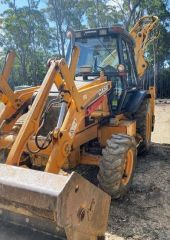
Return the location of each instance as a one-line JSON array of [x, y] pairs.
[[69, 202]]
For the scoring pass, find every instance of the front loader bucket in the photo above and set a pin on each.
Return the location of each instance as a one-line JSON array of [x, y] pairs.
[[65, 206]]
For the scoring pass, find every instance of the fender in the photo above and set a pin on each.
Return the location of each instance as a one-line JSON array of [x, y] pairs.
[[133, 100]]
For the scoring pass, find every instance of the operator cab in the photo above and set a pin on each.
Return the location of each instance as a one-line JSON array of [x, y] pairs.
[[110, 50]]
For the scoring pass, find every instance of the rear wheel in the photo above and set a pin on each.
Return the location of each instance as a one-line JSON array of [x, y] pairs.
[[144, 126], [117, 165]]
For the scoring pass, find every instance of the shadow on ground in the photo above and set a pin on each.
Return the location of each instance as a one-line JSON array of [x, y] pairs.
[[11, 232]]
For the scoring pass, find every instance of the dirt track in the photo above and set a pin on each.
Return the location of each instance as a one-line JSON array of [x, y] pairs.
[[144, 213]]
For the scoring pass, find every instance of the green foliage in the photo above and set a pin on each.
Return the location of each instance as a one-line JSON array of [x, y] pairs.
[[63, 14], [100, 14], [27, 32], [38, 34]]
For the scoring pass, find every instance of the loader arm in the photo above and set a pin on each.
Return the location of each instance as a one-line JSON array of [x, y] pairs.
[[4, 86], [142, 34], [75, 103], [64, 206], [15, 102]]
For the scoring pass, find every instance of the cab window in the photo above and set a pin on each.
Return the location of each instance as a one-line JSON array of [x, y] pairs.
[[129, 65]]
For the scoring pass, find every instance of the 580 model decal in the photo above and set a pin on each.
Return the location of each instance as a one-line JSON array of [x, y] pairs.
[[103, 90], [97, 99]]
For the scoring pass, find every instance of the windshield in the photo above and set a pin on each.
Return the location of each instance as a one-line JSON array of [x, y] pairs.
[[98, 53]]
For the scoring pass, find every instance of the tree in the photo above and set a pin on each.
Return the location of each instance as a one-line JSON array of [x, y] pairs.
[[36, 35], [64, 13], [161, 47], [128, 11], [27, 32], [100, 14]]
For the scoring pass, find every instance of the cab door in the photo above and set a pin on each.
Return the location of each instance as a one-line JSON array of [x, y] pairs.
[[133, 96]]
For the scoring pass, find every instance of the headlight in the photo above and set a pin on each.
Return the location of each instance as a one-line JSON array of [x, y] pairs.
[[121, 68]]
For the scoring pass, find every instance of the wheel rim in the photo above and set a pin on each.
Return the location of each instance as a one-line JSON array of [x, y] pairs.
[[148, 128], [128, 167]]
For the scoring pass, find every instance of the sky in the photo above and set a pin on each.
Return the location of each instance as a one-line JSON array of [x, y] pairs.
[[19, 3], [42, 4]]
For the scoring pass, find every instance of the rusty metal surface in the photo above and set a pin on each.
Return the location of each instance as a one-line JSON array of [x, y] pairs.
[[52, 203]]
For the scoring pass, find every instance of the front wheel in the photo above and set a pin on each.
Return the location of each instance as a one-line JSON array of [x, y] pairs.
[[117, 165]]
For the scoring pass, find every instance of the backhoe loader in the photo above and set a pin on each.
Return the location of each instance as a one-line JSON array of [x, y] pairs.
[[90, 109]]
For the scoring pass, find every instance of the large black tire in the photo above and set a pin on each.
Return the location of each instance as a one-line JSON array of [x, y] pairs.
[[118, 156], [144, 126]]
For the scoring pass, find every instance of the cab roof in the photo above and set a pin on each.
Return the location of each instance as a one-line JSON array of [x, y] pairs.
[[116, 30]]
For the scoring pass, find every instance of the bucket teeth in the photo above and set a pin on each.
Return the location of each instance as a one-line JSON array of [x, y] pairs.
[[60, 205]]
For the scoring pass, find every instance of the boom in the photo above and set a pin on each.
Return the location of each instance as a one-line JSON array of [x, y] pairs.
[[143, 34]]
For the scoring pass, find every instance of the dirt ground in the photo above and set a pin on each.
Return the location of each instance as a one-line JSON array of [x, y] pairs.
[[144, 213]]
